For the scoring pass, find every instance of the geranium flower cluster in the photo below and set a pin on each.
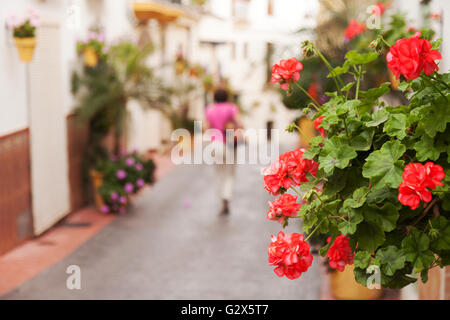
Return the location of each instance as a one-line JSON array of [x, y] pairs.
[[284, 206], [288, 170], [123, 176], [410, 56], [286, 72], [417, 179], [353, 29], [340, 254], [317, 122], [290, 254]]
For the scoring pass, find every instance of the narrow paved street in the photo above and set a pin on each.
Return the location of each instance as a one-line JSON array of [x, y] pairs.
[[174, 245]]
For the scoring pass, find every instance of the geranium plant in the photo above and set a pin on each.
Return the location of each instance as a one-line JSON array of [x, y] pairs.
[[376, 181], [123, 176], [24, 27]]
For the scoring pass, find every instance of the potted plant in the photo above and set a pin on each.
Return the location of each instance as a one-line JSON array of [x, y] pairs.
[[121, 178], [92, 48], [102, 95], [24, 33], [377, 182]]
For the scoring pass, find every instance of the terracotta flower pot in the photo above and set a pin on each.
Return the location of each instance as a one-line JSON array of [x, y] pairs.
[[97, 181], [90, 57], [344, 286], [25, 47], [394, 81]]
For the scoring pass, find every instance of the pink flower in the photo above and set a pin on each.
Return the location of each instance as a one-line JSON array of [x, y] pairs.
[[139, 166], [121, 174], [130, 161], [129, 187], [123, 200], [286, 72], [104, 209], [140, 182]]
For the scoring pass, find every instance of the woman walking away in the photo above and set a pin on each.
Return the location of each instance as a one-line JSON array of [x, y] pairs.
[[223, 115]]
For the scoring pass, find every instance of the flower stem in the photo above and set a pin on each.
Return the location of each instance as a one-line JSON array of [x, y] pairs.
[[358, 81], [315, 103], [439, 79], [385, 42], [297, 192], [315, 229], [330, 68], [437, 89]]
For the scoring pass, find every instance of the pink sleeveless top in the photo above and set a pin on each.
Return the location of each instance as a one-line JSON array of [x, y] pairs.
[[218, 115]]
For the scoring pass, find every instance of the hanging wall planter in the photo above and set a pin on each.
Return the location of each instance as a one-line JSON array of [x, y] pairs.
[[92, 48], [25, 48], [90, 57], [24, 33]]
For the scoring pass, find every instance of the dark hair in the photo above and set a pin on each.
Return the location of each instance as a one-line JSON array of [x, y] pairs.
[[220, 95]]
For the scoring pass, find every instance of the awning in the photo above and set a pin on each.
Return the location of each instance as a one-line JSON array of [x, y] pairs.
[[145, 11]]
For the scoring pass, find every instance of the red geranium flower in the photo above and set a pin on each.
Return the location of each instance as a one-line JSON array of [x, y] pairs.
[[312, 90], [284, 206], [353, 29], [340, 254], [380, 9], [290, 254], [409, 56], [289, 169], [317, 122], [416, 179], [286, 72]]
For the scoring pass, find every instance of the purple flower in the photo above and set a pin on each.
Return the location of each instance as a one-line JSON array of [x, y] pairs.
[[114, 196], [140, 182], [130, 161], [123, 200], [139, 166], [104, 209], [121, 174], [129, 187]]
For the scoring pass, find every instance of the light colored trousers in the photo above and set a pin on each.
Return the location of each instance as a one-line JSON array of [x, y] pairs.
[[224, 174]]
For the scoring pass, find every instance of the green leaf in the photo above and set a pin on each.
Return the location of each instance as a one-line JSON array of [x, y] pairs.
[[337, 71], [442, 241], [403, 86], [363, 141], [416, 247], [437, 118], [369, 237], [346, 227], [348, 86], [382, 166], [376, 93], [379, 195], [336, 154], [391, 259], [355, 58], [396, 126], [378, 117], [424, 275], [385, 217], [426, 149], [358, 198], [362, 259]]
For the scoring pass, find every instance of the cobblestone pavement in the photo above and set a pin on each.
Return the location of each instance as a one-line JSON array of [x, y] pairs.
[[174, 245]]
